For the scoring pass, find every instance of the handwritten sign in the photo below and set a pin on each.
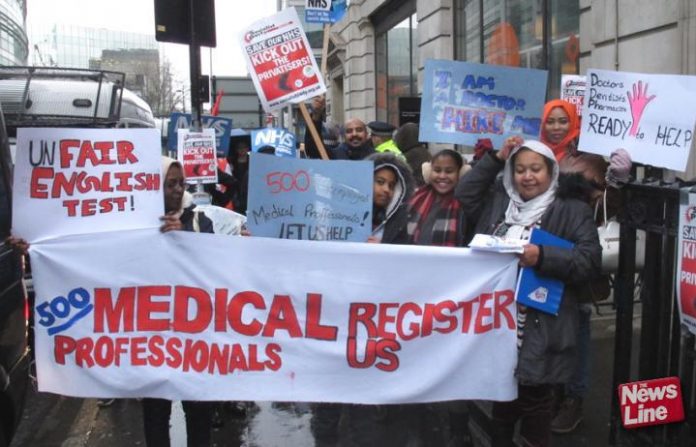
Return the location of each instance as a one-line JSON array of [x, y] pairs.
[[310, 199], [72, 181], [646, 114], [222, 127], [573, 90], [280, 61], [283, 142], [196, 152], [255, 318], [324, 11], [686, 260], [463, 102]]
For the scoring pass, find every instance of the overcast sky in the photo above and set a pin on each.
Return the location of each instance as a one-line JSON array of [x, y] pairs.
[[138, 16]]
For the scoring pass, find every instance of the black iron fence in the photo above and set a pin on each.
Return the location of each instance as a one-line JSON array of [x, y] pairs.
[[662, 347]]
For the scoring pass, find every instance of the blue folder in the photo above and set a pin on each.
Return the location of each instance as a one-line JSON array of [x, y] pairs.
[[536, 291]]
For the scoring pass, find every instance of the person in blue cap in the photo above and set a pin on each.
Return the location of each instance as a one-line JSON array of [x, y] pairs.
[[381, 134]]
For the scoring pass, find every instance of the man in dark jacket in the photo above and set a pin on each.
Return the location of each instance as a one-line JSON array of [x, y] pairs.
[[356, 146]]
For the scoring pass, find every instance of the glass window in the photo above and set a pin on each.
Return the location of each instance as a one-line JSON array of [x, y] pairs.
[[513, 33], [396, 53]]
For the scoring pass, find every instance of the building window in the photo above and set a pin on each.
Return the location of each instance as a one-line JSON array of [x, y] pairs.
[[396, 63], [520, 33]]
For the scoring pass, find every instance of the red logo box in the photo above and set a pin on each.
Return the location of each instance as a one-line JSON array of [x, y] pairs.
[[651, 402]]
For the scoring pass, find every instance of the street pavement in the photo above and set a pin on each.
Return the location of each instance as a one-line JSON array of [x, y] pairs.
[[51, 420]]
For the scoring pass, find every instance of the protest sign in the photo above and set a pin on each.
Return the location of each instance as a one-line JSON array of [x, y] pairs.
[[272, 320], [280, 61], [283, 142], [686, 259], [464, 101], [573, 90], [324, 11], [224, 221], [196, 152], [649, 115], [310, 199], [71, 181], [222, 127]]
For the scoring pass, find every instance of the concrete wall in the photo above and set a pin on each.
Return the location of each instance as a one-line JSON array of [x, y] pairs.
[[358, 32], [649, 37]]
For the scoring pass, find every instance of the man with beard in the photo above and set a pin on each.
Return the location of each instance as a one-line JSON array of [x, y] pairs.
[[356, 146]]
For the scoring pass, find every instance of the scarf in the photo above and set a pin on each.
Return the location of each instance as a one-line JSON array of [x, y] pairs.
[[446, 228], [560, 149], [519, 211]]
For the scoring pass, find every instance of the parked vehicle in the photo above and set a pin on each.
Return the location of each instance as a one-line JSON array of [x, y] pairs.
[[66, 97], [14, 309]]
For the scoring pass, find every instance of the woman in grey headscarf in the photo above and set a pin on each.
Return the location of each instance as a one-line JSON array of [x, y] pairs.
[[531, 196]]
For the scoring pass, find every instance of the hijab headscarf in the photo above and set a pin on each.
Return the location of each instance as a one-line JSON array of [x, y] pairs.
[[559, 150], [519, 211]]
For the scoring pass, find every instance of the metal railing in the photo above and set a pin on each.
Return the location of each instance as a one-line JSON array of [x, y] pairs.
[[663, 348]]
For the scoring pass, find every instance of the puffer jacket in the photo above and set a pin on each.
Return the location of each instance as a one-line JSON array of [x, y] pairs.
[[548, 352]]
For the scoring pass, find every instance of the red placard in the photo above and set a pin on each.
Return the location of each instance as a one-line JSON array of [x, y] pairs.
[[651, 402], [196, 152]]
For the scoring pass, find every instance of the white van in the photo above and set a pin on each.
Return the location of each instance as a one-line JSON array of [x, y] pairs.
[[64, 97]]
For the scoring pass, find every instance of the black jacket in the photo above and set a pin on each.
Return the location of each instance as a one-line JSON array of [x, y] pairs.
[[548, 352], [345, 151], [187, 218]]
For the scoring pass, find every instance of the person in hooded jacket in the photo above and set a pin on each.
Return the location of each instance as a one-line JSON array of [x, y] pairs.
[[406, 138], [179, 216], [529, 196], [366, 424], [392, 187]]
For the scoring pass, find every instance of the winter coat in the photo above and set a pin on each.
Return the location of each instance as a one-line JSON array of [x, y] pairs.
[[345, 151], [189, 217], [548, 352], [394, 218]]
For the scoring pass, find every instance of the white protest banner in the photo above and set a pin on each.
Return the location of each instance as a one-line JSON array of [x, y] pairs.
[[272, 319], [197, 154], [72, 181], [280, 61], [649, 115], [573, 90], [686, 259]]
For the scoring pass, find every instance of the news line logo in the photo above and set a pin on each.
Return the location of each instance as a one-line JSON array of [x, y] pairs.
[[651, 402]]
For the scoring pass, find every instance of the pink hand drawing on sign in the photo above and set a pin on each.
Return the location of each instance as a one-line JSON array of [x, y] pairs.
[[638, 102]]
